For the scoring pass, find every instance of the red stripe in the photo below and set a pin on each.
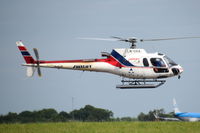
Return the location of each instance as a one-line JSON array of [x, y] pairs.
[[29, 59], [22, 48], [109, 60], [64, 61]]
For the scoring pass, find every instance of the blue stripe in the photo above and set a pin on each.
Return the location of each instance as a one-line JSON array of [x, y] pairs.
[[195, 115], [25, 53], [120, 58]]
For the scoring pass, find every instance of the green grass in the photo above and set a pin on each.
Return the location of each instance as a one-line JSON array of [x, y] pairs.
[[103, 127]]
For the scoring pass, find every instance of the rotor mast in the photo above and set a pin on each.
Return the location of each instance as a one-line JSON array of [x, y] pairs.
[[133, 42]]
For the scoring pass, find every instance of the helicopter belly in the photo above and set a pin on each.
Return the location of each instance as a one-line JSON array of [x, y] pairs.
[[137, 73], [142, 73]]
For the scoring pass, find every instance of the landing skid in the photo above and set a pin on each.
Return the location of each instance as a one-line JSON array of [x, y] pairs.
[[140, 83]]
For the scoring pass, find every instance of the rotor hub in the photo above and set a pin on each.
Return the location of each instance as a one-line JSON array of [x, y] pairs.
[[133, 42]]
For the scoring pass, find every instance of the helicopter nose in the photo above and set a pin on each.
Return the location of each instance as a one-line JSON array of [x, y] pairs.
[[180, 69], [177, 70]]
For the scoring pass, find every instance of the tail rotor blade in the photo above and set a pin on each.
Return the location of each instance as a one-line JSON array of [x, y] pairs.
[[36, 53], [38, 62], [39, 71]]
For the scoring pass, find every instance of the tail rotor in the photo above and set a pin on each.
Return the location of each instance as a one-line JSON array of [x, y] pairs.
[[37, 61]]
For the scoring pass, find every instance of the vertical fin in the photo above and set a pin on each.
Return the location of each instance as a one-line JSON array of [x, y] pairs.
[[176, 109], [27, 56]]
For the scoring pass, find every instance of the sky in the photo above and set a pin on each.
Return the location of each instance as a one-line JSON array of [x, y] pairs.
[[53, 27]]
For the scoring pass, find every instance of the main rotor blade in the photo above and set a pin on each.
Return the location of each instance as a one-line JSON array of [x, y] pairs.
[[36, 53], [162, 39], [113, 38], [116, 37], [101, 39], [119, 38], [124, 39]]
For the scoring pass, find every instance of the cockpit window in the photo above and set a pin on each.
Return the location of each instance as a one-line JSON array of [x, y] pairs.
[[169, 61], [157, 62]]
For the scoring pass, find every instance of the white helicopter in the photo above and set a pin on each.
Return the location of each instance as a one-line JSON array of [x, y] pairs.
[[143, 70]]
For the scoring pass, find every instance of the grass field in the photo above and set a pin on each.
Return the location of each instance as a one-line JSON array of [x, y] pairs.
[[103, 127]]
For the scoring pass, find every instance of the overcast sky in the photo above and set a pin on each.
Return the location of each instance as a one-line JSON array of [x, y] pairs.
[[53, 27]]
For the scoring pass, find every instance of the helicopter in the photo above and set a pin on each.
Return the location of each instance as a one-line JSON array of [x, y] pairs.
[[138, 69]]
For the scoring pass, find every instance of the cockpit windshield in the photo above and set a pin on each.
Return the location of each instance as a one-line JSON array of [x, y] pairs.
[[169, 61], [157, 62]]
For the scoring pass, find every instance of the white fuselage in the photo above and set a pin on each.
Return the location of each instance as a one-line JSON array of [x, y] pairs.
[[130, 63]]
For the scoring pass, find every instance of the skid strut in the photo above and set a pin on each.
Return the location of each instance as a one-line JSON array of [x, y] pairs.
[[140, 83]]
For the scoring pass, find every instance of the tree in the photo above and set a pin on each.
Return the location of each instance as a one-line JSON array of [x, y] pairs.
[[90, 113], [26, 116], [63, 116], [9, 118], [150, 116], [47, 115], [142, 117]]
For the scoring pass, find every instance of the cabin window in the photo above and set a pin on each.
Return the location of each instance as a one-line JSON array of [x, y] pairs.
[[145, 62], [157, 62]]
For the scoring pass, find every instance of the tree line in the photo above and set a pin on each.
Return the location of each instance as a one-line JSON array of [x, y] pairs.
[[88, 113]]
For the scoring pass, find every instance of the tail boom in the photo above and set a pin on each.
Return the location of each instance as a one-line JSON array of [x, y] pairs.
[[82, 66]]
